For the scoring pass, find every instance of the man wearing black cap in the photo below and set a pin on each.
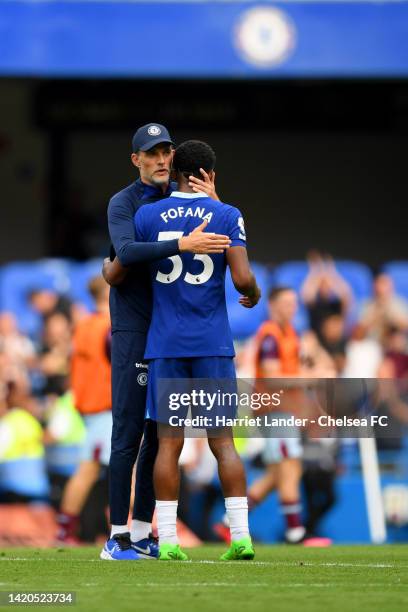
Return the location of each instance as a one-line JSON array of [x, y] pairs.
[[130, 307]]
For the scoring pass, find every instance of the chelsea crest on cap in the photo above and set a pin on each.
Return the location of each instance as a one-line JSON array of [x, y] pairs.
[[150, 135]]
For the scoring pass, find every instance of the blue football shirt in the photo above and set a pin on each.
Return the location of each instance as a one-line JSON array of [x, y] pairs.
[[189, 310]]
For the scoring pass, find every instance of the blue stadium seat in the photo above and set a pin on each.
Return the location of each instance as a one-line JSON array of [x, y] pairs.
[[17, 279], [358, 276], [80, 275], [291, 274], [398, 270], [245, 321]]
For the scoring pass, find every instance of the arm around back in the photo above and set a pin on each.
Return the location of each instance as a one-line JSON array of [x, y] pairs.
[[122, 233]]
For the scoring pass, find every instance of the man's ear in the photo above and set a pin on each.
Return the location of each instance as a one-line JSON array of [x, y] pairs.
[[135, 158]]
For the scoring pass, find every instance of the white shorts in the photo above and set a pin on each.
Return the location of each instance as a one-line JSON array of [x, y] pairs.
[[97, 444], [286, 444], [277, 449]]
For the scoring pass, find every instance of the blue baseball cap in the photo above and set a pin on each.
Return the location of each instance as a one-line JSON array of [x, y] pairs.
[[150, 135]]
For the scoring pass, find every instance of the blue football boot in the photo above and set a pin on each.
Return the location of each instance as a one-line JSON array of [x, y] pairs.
[[119, 548], [148, 548]]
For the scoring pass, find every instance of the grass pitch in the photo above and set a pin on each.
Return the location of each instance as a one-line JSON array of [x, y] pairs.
[[281, 578]]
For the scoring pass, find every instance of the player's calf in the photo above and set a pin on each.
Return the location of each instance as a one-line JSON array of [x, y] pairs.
[[232, 476]]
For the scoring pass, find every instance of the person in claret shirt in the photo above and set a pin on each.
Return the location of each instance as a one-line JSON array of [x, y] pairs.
[[277, 355]]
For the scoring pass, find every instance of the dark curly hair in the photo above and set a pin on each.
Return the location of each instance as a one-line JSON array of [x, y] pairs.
[[192, 155]]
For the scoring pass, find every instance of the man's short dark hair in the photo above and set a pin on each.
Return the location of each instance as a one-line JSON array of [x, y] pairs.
[[275, 292], [192, 155]]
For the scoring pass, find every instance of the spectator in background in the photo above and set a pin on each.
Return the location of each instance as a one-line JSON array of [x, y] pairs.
[[47, 303], [393, 388], [277, 355], [91, 386], [324, 291], [16, 345], [333, 339], [64, 436], [22, 466], [395, 362], [319, 473], [17, 352], [386, 309], [363, 355], [55, 353]]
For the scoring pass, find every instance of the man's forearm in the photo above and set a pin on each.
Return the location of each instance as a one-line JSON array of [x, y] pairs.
[[139, 252], [122, 235], [246, 285]]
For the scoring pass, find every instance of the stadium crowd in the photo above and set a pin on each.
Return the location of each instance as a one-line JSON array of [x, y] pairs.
[[41, 432]]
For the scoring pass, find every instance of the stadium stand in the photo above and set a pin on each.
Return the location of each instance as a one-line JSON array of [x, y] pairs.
[[19, 278], [64, 277]]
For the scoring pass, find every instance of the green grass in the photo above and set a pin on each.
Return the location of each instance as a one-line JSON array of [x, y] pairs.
[[282, 579]]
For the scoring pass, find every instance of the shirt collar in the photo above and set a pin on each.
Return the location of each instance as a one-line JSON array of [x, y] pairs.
[[188, 196], [150, 191]]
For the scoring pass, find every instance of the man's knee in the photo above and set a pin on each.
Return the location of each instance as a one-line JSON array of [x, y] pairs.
[[88, 469], [123, 453], [127, 432], [222, 447]]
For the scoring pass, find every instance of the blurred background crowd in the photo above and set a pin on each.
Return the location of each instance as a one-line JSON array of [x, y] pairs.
[[352, 324]]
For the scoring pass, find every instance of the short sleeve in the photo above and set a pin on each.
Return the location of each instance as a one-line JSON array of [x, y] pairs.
[[236, 228]]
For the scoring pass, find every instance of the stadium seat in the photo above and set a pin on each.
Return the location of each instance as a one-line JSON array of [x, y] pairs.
[[245, 321], [19, 278], [80, 275], [291, 274], [398, 270], [358, 276]]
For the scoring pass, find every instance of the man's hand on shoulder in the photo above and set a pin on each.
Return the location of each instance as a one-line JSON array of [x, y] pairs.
[[251, 300], [202, 242], [113, 271], [205, 185]]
